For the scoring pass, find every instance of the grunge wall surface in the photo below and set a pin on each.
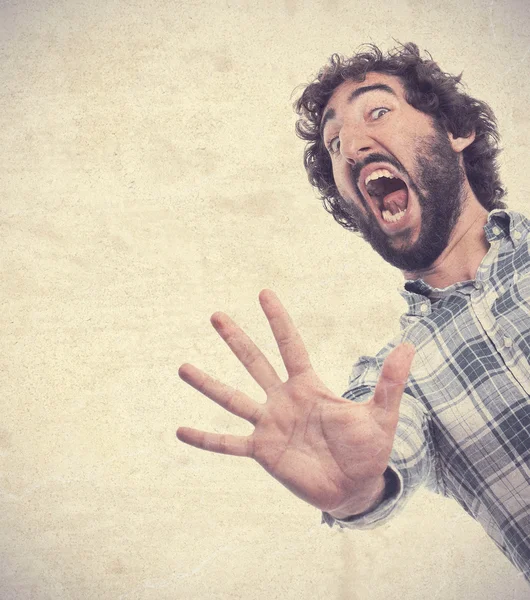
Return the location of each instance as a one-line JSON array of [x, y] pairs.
[[150, 176]]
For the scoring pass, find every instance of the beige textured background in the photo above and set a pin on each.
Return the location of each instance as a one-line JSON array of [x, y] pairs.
[[150, 176]]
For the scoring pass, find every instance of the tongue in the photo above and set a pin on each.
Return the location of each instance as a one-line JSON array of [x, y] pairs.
[[396, 201]]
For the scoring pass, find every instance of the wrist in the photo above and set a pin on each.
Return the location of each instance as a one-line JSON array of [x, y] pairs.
[[372, 496]]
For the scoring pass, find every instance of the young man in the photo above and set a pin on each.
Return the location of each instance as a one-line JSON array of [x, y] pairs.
[[400, 154]]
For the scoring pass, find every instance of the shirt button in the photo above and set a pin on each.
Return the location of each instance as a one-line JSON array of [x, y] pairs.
[[496, 230], [424, 308], [478, 285], [508, 342], [517, 235]]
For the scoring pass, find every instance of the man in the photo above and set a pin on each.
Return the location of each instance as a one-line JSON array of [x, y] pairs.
[[400, 154]]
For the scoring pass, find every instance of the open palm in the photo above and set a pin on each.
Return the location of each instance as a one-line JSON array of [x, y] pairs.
[[327, 450]]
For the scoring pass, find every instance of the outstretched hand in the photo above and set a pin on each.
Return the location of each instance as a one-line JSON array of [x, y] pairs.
[[329, 451]]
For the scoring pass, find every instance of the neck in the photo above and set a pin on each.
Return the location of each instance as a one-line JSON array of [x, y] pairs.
[[464, 253]]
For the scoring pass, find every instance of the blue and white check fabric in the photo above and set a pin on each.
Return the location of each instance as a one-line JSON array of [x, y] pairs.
[[464, 429]]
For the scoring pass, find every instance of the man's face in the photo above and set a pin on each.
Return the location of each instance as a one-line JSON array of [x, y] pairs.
[[399, 176]]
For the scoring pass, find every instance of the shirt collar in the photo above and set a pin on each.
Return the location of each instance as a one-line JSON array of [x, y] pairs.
[[502, 223]]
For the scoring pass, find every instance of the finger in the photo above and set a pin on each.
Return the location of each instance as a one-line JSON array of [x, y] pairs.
[[246, 351], [290, 344], [235, 445], [232, 400], [392, 381]]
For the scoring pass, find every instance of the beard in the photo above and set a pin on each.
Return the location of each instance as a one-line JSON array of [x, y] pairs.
[[439, 188]]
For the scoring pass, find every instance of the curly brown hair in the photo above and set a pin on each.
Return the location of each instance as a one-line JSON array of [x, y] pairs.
[[428, 89]]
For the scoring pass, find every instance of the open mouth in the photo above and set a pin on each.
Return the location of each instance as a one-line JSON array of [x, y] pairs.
[[389, 193]]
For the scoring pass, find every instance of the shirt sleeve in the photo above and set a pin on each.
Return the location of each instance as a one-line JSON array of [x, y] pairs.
[[412, 461]]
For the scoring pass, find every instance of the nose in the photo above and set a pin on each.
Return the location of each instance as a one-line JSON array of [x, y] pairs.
[[355, 144]]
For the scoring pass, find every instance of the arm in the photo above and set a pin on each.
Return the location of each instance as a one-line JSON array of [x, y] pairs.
[[328, 451]]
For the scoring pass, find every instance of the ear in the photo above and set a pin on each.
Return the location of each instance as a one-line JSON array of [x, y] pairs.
[[461, 143]]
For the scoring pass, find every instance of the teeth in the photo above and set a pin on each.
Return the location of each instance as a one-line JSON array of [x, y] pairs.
[[377, 174], [390, 218]]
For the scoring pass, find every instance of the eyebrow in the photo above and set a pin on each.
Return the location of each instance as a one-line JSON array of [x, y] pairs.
[[330, 113]]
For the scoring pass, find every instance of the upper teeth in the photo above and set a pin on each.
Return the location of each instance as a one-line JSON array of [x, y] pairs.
[[377, 174]]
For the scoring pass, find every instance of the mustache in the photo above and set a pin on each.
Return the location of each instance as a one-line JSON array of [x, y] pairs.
[[359, 166]]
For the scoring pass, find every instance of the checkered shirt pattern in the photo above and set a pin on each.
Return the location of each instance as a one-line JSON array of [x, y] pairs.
[[464, 429]]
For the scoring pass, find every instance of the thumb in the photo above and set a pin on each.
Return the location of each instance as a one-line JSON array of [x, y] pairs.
[[393, 378]]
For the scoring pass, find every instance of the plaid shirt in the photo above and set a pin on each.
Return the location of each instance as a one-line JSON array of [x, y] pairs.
[[464, 429]]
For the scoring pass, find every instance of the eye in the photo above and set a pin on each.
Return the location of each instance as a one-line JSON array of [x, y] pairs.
[[377, 113], [334, 145]]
